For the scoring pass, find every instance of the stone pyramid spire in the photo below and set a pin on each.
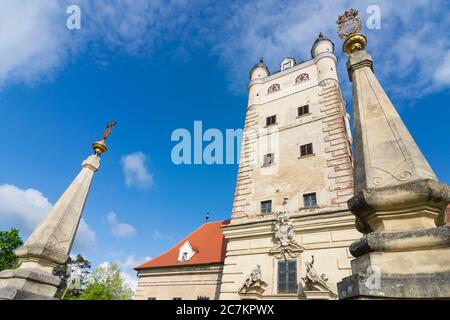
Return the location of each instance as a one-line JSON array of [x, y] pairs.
[[50, 243], [398, 200], [385, 152]]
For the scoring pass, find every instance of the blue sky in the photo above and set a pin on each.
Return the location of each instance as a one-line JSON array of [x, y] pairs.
[[158, 66]]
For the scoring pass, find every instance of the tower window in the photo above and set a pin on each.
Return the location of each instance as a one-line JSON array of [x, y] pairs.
[[302, 78], [266, 206], [310, 200], [303, 110], [269, 159], [273, 88], [202, 298], [306, 150], [270, 121], [287, 276]]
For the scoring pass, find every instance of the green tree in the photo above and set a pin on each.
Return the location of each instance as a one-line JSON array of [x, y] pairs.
[[9, 241], [106, 283], [64, 271]]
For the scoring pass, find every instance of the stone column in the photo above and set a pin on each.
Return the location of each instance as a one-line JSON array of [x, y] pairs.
[[398, 203], [50, 243]]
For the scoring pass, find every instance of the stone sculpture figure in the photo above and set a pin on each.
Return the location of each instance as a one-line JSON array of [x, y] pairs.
[[284, 229], [253, 283], [311, 273], [254, 276]]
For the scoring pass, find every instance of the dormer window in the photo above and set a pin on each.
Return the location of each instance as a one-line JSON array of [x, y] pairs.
[[186, 252], [287, 63], [302, 78], [274, 88]]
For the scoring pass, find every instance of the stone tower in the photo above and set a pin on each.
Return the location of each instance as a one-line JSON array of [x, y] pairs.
[[295, 158]]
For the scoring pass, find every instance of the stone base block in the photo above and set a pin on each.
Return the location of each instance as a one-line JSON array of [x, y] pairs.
[[395, 286], [27, 284]]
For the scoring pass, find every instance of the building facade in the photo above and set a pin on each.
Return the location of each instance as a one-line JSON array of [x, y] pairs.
[[290, 221], [290, 228], [191, 270]]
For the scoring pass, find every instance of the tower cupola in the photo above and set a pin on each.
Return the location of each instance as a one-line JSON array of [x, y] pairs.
[[259, 71], [321, 45]]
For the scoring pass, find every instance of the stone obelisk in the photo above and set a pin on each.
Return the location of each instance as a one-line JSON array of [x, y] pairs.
[[50, 243], [399, 204]]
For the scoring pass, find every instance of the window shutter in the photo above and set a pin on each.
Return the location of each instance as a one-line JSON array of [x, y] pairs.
[[282, 277], [287, 276]]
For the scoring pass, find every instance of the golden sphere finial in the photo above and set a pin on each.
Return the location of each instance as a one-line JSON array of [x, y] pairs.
[[349, 29]]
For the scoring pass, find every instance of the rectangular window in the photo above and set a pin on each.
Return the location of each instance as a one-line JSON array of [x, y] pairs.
[[176, 298], [287, 276], [266, 206], [306, 150], [271, 120], [202, 298], [303, 110], [310, 200], [269, 159], [151, 298]]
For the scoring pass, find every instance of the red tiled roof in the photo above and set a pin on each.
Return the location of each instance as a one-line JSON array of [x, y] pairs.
[[208, 241]]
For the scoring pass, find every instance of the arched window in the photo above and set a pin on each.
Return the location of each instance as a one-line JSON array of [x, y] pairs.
[[273, 88], [302, 78]]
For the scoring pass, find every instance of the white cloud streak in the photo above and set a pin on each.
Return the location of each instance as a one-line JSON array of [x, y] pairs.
[[24, 209], [411, 50], [120, 230], [159, 236]]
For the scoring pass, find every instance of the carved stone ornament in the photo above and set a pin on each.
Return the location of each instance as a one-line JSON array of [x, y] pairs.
[[315, 282], [348, 28], [285, 245], [349, 23], [254, 283]]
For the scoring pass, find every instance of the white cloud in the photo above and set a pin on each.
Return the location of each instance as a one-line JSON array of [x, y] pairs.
[[159, 236], [410, 51], [85, 238], [135, 170], [35, 43], [31, 46], [26, 208], [23, 208], [120, 230], [442, 75], [405, 55]]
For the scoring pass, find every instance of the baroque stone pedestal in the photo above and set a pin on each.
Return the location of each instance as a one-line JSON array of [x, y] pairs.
[[412, 258]]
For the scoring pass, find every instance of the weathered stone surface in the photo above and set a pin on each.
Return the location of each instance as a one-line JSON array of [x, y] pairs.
[[402, 241], [394, 286], [385, 152], [407, 206], [16, 294]]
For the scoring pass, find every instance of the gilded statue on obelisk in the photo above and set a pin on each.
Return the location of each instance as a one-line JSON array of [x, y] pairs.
[[349, 29], [100, 146]]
